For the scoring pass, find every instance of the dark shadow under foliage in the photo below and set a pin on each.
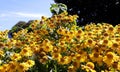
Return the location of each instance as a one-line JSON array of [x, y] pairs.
[[107, 11]]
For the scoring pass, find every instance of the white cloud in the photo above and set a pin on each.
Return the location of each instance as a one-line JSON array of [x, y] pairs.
[[3, 15], [33, 15], [22, 14]]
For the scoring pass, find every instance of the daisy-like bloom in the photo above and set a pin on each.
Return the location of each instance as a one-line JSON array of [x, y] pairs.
[[16, 57], [96, 57], [51, 25], [71, 69], [2, 44], [56, 56], [64, 60], [111, 30], [30, 63], [90, 64], [18, 44], [43, 60], [46, 41], [79, 37], [43, 32], [13, 41], [80, 58], [89, 67], [42, 53], [105, 35], [90, 43], [118, 50], [63, 49], [12, 66], [115, 46], [71, 33], [33, 26], [26, 52], [110, 58], [43, 18], [68, 38], [118, 29], [89, 34], [62, 44], [115, 65], [4, 68], [88, 27], [76, 64], [22, 67], [79, 32], [106, 42], [61, 31], [48, 48]]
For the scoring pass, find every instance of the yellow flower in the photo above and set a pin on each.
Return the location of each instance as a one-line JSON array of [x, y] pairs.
[[118, 29], [1, 53], [110, 30], [46, 41], [12, 66], [115, 65], [64, 60], [115, 46], [56, 56], [106, 42], [43, 32], [96, 57], [16, 57], [44, 59], [2, 69], [68, 38], [71, 33], [71, 69], [62, 44], [30, 63], [79, 37], [22, 67], [42, 53], [109, 58], [26, 52], [76, 64], [51, 25], [80, 32], [106, 35], [88, 27], [60, 31], [90, 65], [48, 48], [118, 50], [5, 67], [2, 44], [37, 21], [43, 18], [90, 43], [80, 58], [118, 66]]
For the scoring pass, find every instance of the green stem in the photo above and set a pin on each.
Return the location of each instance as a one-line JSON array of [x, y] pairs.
[[55, 68]]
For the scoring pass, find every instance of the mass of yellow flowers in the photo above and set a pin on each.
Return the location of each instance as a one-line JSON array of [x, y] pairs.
[[57, 44]]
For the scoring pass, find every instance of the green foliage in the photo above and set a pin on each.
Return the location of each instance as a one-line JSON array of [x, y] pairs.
[[58, 8]]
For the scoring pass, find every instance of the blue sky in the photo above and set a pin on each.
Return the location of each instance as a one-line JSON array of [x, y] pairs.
[[12, 11]]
